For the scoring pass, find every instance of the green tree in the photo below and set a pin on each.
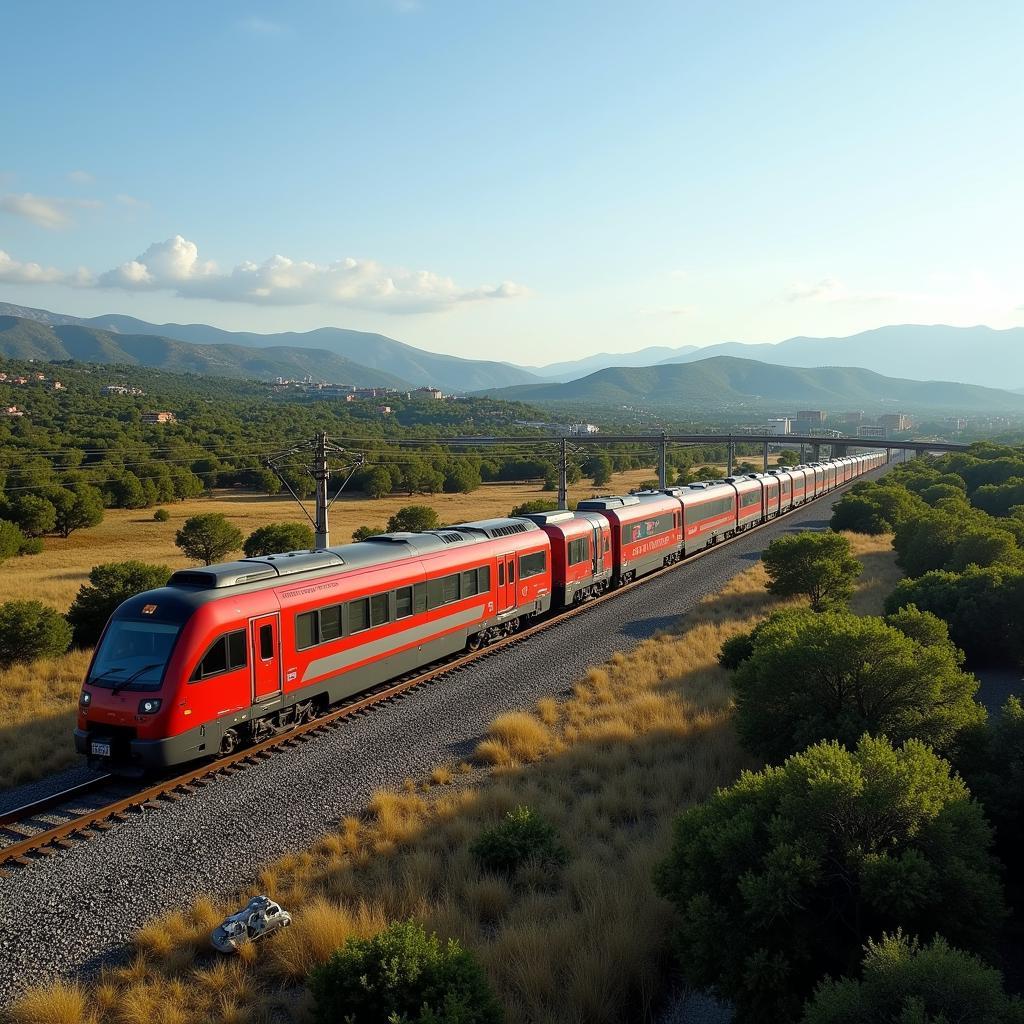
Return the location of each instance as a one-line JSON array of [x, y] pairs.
[[462, 477], [600, 469], [413, 519], [34, 514], [522, 836], [208, 537], [30, 630], [875, 508], [789, 457], [983, 546], [12, 540], [818, 565], [127, 492], [939, 492], [404, 976], [836, 676], [76, 510], [780, 879], [378, 483], [277, 537], [902, 982], [109, 585]]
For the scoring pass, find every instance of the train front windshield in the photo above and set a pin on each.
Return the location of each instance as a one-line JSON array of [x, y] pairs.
[[133, 654]]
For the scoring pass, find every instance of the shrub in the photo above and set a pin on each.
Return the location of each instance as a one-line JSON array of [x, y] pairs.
[[110, 584], [277, 537], [12, 540], [522, 836], [31, 546], [414, 519], [461, 478], [902, 982], [405, 976], [736, 650], [537, 505], [818, 565], [835, 676], [30, 630], [208, 537], [161, 515], [362, 532], [781, 878], [983, 607]]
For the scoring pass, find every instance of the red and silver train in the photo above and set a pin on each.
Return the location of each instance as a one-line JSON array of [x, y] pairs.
[[230, 654]]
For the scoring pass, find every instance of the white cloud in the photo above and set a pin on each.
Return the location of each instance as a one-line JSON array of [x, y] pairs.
[[47, 213], [81, 177], [13, 272], [174, 265], [127, 200]]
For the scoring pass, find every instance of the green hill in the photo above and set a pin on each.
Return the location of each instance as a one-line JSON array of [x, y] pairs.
[[726, 380], [374, 351], [22, 338]]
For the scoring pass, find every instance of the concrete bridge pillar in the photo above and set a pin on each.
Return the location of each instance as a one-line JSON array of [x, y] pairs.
[[815, 453], [766, 457]]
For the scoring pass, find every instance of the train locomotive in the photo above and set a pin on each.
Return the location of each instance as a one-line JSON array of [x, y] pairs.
[[230, 654]]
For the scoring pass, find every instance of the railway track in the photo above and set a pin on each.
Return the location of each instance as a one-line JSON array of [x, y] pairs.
[[58, 822]]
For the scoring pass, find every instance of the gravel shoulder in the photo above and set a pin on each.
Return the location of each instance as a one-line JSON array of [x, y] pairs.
[[76, 910]]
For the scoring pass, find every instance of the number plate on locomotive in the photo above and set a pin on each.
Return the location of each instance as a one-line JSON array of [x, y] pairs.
[[101, 749]]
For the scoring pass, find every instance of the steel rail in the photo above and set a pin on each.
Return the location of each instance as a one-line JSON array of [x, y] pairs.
[[52, 840]]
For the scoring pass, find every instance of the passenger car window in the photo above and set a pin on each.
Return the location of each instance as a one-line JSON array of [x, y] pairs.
[[359, 615], [532, 565], [330, 623], [403, 602], [379, 610], [306, 631]]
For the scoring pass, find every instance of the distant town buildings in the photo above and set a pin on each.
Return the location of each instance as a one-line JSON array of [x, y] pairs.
[[853, 419], [817, 417], [159, 417], [780, 426], [120, 389], [432, 393], [13, 411], [580, 429], [895, 421], [872, 430]]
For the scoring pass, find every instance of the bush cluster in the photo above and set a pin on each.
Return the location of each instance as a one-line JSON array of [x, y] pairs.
[[523, 836], [402, 976]]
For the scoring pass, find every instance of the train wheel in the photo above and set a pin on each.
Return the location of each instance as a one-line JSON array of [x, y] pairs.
[[474, 643], [229, 743]]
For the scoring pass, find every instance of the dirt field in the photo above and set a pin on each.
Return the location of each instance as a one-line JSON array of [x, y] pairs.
[[55, 576]]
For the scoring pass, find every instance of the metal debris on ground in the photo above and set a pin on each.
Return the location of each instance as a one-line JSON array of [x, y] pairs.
[[259, 917]]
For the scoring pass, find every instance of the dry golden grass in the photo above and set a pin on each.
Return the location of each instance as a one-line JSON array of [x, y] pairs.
[[37, 715], [639, 739], [55, 575]]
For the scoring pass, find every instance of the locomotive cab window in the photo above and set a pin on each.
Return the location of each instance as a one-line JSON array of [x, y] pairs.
[[225, 654], [532, 564]]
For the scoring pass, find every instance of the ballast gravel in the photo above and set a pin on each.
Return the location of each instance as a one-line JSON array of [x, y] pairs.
[[74, 911]]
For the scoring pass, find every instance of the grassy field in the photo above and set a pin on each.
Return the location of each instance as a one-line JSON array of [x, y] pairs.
[[639, 739], [55, 575]]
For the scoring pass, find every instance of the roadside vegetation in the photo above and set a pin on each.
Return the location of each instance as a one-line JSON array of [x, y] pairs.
[[537, 857]]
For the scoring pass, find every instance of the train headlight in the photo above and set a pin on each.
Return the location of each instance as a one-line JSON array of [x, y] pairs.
[[149, 705], [86, 698]]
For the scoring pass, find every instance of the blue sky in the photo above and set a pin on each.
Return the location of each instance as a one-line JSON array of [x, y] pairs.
[[530, 181]]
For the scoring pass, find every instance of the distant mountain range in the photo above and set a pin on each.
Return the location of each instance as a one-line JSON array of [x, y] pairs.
[[975, 355], [31, 339], [727, 380], [384, 358]]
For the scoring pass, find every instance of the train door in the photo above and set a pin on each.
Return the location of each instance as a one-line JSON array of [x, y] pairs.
[[265, 644], [506, 582]]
